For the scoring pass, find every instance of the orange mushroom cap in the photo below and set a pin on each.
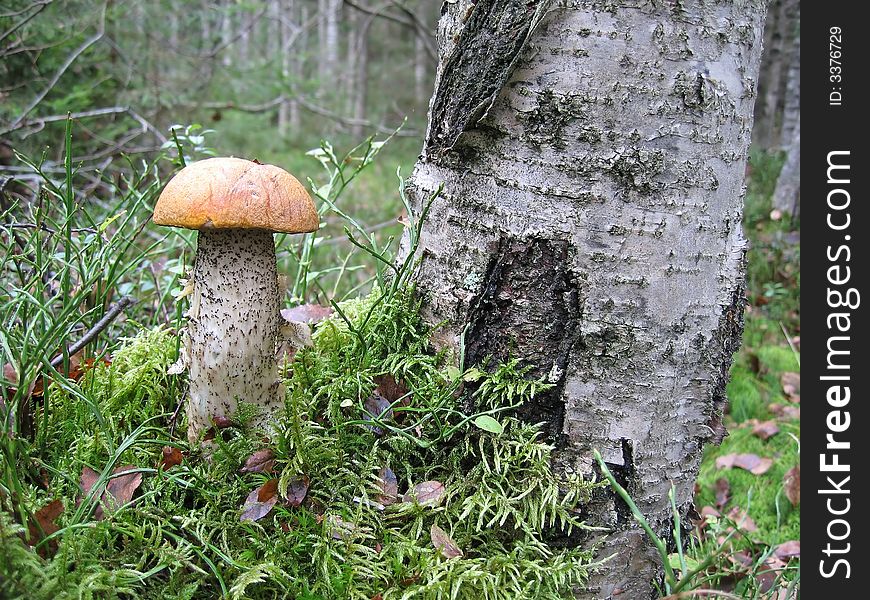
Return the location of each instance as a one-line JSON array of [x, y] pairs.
[[233, 193]]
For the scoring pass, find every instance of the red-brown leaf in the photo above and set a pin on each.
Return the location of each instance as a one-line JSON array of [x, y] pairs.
[[377, 407], [765, 429], [723, 491], [791, 386], [171, 456], [115, 493], [791, 481], [306, 313], [444, 543], [742, 520], [427, 493], [44, 519], [749, 462], [787, 550], [260, 501], [389, 388], [389, 486], [788, 411], [261, 461], [297, 490], [122, 485]]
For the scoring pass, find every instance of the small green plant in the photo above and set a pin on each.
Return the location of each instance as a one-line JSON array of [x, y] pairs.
[[688, 572]]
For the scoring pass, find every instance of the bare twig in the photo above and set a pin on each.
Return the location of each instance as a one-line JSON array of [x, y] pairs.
[[410, 20], [309, 106], [111, 314], [39, 5]]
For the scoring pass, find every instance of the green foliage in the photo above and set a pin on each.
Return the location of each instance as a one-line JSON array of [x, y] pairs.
[[183, 538]]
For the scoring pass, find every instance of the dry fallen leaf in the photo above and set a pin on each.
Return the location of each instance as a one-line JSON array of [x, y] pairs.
[[791, 481], [742, 520], [787, 550], [306, 313], [261, 461], [788, 411], [122, 485], [297, 490], [428, 493], [765, 429], [723, 491], [115, 493], [444, 543], [171, 456], [260, 501], [389, 486], [377, 407], [749, 462], [392, 390], [42, 525], [791, 386]]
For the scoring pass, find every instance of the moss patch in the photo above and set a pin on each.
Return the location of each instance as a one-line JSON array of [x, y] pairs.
[[182, 537]]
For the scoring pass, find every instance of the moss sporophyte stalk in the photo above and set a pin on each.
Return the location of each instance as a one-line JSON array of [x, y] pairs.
[[182, 535]]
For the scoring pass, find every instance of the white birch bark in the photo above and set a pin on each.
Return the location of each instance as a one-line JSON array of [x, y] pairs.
[[590, 223]]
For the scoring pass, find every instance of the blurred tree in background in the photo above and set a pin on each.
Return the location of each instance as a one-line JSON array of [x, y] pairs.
[[272, 76]]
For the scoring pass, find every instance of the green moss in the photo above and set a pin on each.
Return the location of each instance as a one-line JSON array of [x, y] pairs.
[[763, 495], [183, 538]]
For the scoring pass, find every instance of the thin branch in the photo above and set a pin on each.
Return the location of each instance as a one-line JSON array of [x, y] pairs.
[[59, 73], [111, 314], [412, 21], [39, 5], [307, 105]]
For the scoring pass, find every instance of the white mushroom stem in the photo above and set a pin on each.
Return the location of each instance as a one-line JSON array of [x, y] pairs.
[[233, 327]]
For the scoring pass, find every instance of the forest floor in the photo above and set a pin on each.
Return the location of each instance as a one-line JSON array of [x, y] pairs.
[[395, 475]]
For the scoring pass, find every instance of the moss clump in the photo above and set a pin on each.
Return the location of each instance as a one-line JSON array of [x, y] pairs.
[[182, 536]]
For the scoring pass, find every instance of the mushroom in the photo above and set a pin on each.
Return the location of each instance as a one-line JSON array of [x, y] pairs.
[[234, 319]]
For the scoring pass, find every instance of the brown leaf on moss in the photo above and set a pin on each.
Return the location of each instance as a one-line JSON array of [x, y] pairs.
[[791, 386], [260, 501], [112, 495], [297, 490], [791, 482], [788, 411], [389, 486], [749, 462], [742, 520], [171, 456], [389, 388], [428, 493], [787, 550], [723, 492], [444, 543], [122, 486], [765, 429], [42, 525], [261, 461]]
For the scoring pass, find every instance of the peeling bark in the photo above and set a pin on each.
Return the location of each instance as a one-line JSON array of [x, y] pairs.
[[592, 155]]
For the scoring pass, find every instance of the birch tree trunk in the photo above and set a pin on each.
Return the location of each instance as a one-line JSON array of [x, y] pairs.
[[786, 195], [778, 35], [592, 156]]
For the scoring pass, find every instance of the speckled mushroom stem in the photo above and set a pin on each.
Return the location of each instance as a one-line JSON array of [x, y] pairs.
[[232, 327]]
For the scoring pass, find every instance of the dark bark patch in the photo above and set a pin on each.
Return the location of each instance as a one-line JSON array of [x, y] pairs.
[[529, 308], [721, 349], [492, 38]]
